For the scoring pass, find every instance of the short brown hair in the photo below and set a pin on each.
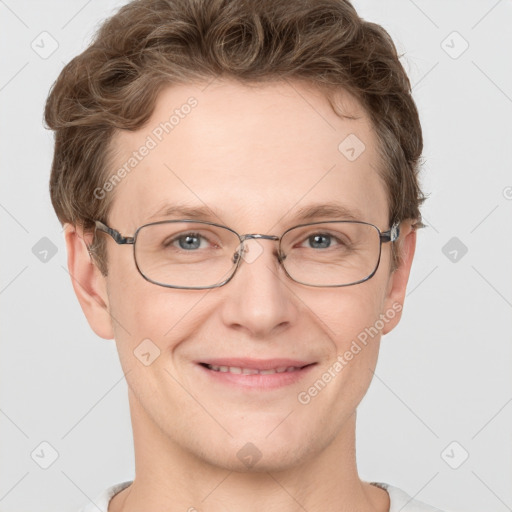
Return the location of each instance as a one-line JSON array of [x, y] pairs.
[[150, 44]]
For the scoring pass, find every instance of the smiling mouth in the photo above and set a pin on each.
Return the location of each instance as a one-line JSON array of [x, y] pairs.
[[253, 371]]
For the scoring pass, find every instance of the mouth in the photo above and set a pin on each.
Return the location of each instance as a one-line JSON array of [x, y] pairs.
[[252, 371], [256, 374]]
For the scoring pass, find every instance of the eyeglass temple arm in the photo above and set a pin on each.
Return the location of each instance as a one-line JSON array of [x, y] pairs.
[[118, 238], [391, 234]]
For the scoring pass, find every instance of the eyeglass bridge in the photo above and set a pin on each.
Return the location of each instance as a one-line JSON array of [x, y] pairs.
[[243, 238]]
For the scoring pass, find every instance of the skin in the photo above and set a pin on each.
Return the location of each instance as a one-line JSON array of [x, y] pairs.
[[253, 156]]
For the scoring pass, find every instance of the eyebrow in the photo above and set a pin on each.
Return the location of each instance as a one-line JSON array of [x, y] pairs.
[[332, 210]]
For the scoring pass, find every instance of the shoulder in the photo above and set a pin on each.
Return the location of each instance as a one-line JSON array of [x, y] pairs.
[[100, 503], [400, 501]]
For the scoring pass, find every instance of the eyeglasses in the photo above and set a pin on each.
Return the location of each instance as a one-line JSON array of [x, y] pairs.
[[192, 254]]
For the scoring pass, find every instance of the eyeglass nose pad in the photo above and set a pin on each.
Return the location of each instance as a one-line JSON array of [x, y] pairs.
[[250, 252], [281, 256], [239, 253]]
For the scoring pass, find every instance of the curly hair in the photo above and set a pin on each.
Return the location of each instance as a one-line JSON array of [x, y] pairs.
[[151, 44]]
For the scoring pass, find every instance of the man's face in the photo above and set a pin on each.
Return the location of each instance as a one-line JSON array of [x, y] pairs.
[[253, 156]]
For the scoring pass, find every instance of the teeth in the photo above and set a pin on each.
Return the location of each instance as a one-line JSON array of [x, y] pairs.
[[252, 371], [245, 371]]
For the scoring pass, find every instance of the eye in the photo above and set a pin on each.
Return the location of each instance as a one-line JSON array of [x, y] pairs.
[[324, 241], [319, 240], [186, 241]]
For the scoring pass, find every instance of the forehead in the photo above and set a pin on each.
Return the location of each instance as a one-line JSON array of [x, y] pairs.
[[256, 154]]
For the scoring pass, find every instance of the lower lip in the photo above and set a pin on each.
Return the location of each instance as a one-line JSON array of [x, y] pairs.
[[258, 381]]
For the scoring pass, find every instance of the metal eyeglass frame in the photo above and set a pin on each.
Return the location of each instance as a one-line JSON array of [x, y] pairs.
[[391, 235]]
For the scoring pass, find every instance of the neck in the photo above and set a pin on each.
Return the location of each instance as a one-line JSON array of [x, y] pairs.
[[172, 479]]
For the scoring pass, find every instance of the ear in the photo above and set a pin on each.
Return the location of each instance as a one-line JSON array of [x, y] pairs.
[[89, 284], [397, 284]]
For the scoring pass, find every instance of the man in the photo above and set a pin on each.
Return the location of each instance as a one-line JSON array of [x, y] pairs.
[[238, 185]]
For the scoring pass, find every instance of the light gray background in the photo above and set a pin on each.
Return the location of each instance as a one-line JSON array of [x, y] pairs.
[[443, 374]]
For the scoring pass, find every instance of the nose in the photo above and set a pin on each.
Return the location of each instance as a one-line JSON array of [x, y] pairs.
[[258, 298]]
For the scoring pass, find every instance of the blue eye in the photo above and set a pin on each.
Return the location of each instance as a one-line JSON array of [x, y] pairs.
[[189, 241], [321, 239], [185, 241], [324, 241]]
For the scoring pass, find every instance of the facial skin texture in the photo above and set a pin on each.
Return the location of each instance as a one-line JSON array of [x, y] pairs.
[[253, 156]]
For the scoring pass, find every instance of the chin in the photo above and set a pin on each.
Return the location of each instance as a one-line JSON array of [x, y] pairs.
[[252, 454]]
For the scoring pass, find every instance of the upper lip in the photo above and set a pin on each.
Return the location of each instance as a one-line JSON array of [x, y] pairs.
[[256, 364]]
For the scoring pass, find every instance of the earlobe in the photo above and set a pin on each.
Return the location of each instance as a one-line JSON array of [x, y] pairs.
[[88, 282], [397, 285]]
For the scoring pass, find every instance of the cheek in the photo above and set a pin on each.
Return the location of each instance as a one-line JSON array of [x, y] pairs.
[[148, 318], [350, 318], [345, 313], [137, 309]]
